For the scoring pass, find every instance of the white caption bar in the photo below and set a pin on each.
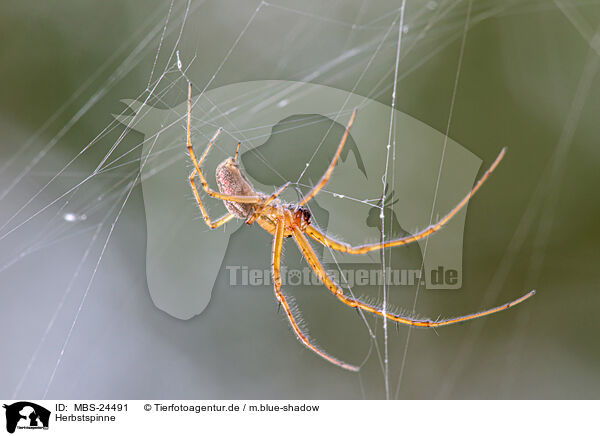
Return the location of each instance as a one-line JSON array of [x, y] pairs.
[[300, 417]]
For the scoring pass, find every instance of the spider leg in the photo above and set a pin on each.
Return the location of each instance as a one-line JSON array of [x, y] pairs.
[[302, 337], [361, 249], [314, 191], [213, 225], [198, 163], [264, 205], [237, 151], [317, 267]]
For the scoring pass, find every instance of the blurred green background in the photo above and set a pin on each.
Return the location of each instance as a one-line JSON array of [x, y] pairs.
[[528, 80]]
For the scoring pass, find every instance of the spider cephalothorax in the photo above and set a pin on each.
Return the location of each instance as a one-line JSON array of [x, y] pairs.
[[294, 220], [302, 217]]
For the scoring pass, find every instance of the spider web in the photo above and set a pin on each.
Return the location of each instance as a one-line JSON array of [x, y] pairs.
[[74, 203]]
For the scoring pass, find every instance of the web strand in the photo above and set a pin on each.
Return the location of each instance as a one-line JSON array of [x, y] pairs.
[[383, 199], [450, 114]]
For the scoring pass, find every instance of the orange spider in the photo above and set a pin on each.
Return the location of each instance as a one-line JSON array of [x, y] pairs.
[[294, 220]]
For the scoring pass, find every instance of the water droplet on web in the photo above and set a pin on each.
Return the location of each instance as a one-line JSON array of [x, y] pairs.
[[339, 195], [71, 217], [283, 103], [178, 60]]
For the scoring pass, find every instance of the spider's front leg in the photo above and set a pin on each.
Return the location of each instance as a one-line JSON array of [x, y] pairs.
[[314, 191], [302, 337], [361, 249]]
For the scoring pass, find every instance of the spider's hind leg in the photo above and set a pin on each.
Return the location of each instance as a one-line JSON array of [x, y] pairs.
[[212, 224], [197, 163]]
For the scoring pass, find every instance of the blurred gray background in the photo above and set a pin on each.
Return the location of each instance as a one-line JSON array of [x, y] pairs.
[[76, 313]]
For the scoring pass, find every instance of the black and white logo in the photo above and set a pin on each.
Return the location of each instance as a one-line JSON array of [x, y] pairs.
[[26, 415]]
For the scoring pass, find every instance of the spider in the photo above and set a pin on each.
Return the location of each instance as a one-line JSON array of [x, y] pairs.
[[286, 220]]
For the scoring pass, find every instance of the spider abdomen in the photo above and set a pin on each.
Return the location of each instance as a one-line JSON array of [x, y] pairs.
[[232, 181]]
